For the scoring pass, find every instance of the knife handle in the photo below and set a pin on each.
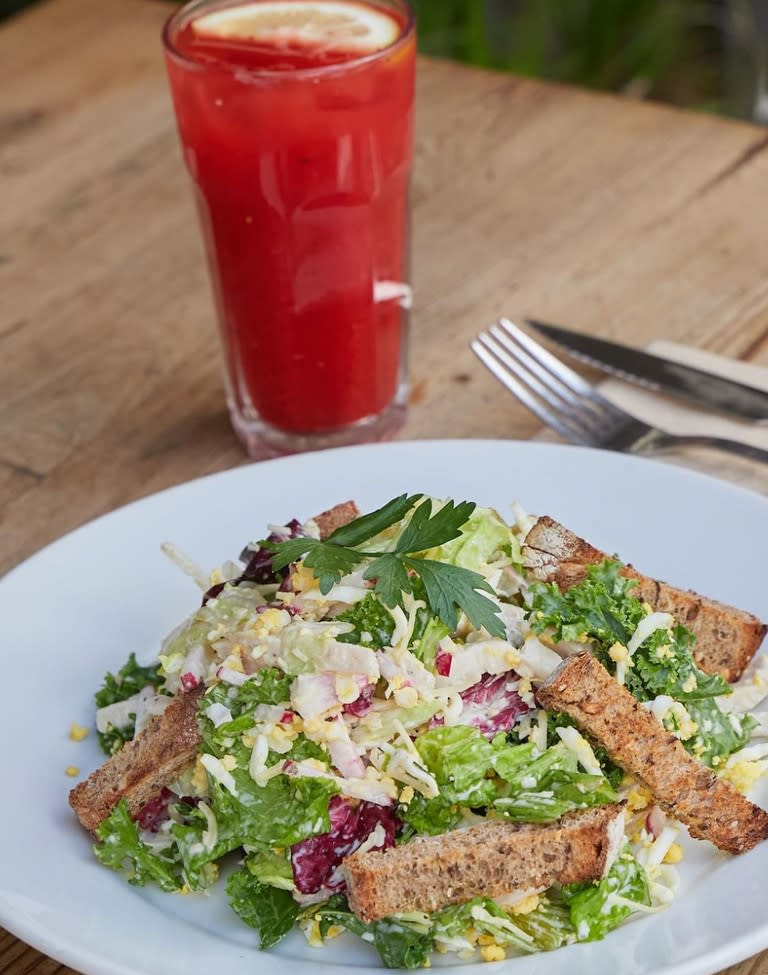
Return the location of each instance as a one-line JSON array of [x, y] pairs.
[[668, 440]]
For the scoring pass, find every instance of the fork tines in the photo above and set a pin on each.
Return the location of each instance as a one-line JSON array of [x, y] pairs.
[[552, 391]]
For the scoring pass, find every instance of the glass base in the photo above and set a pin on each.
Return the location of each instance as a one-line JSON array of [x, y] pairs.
[[262, 441]]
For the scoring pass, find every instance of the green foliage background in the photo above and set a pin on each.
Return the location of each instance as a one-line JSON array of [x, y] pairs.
[[672, 50], [685, 52]]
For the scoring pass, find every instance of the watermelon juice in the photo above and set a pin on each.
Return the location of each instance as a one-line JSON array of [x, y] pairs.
[[295, 120]]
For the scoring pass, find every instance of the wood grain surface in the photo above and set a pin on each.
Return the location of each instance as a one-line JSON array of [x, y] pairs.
[[624, 219]]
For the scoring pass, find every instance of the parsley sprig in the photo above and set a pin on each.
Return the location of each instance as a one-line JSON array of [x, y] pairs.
[[449, 588]]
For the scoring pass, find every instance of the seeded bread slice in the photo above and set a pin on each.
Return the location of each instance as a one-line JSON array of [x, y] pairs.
[[493, 858], [167, 746], [336, 517], [726, 638], [142, 767], [709, 806]]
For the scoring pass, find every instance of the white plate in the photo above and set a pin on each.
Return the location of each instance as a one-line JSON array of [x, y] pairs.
[[78, 608]]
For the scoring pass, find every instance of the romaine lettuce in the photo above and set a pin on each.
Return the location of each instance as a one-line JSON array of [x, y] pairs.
[[597, 908], [270, 910]]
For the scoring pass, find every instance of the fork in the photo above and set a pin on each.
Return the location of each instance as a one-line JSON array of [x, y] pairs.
[[572, 407]]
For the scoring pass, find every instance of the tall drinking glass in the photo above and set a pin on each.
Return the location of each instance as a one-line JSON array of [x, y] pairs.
[[295, 119]]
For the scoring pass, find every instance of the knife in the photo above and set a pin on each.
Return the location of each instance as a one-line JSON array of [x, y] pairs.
[[654, 372]]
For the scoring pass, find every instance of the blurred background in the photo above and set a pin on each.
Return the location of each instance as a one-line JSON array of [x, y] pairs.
[[706, 55]]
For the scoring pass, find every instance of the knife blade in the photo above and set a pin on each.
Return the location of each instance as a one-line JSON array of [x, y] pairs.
[[664, 375]]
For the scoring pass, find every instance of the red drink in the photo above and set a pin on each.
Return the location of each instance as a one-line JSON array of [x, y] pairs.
[[299, 146]]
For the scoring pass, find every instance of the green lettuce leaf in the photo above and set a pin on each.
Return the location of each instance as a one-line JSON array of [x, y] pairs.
[[459, 757], [224, 614], [547, 927], [121, 848], [598, 907], [664, 664], [600, 608], [271, 911], [129, 680], [424, 645], [373, 623], [483, 537], [547, 786], [427, 816], [268, 686], [401, 942], [719, 734], [549, 924], [271, 868], [279, 814]]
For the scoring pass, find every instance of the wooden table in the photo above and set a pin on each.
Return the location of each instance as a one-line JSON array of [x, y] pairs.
[[631, 220]]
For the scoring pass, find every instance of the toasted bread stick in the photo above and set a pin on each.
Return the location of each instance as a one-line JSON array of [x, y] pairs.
[[726, 638], [493, 858], [167, 746], [709, 806], [142, 767]]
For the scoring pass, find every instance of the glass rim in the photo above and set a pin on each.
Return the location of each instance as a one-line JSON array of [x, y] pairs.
[[270, 74]]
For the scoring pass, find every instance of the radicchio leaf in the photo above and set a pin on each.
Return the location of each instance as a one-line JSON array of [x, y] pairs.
[[315, 861]]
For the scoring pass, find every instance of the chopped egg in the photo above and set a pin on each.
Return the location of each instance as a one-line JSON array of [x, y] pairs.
[[493, 953], [311, 930], [347, 688], [674, 854], [744, 774], [638, 798], [234, 660], [77, 732], [618, 652], [303, 578], [199, 780], [270, 621], [72, 771], [526, 906], [690, 684], [406, 795]]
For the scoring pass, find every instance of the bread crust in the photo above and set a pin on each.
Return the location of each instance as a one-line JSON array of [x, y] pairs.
[[164, 749], [169, 743], [493, 858], [711, 807], [336, 517], [726, 638]]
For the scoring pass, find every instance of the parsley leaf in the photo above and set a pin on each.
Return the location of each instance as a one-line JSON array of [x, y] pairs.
[[291, 550], [449, 589], [426, 530], [391, 579], [368, 526], [330, 562]]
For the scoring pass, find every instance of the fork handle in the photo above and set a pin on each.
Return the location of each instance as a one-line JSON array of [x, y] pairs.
[[717, 443]]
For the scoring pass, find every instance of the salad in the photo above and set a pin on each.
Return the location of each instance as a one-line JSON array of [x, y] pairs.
[[362, 690]]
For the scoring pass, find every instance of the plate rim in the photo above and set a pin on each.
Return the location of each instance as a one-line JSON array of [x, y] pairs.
[[68, 952]]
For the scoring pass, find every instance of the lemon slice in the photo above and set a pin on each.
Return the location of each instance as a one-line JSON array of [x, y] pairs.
[[325, 24]]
